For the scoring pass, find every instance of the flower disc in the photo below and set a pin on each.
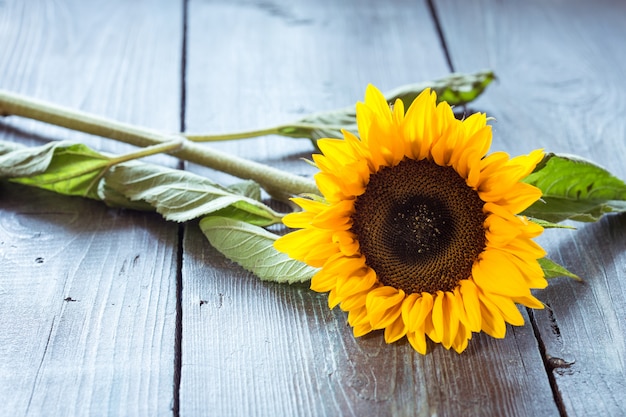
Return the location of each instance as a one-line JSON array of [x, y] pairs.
[[419, 226]]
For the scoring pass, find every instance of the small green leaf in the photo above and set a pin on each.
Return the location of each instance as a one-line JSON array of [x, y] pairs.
[[552, 270], [549, 225], [181, 196], [576, 189], [456, 89], [252, 248], [62, 167]]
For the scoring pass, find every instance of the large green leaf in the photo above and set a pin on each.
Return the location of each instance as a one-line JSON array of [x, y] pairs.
[[181, 196], [74, 169], [252, 248], [576, 189], [62, 167]]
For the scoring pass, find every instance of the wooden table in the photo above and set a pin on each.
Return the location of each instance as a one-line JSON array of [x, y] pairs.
[[120, 313]]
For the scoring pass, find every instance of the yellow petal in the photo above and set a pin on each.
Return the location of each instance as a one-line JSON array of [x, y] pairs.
[[438, 317], [299, 220], [508, 310], [471, 303], [307, 204], [459, 307], [323, 281], [359, 321], [529, 301], [474, 123], [364, 117], [376, 101], [384, 305], [298, 244], [347, 242], [417, 122], [462, 339], [492, 321], [416, 308], [398, 112], [335, 216], [494, 273], [396, 330], [336, 152], [450, 319], [500, 231], [417, 340], [516, 199], [355, 283], [447, 144], [354, 301]]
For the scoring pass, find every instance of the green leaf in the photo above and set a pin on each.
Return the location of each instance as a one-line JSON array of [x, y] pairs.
[[181, 196], [552, 270], [248, 188], [252, 248], [74, 169], [114, 198], [456, 89], [20, 161], [576, 189], [69, 169], [549, 225]]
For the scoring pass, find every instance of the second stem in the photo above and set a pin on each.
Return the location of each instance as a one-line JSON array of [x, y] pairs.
[[275, 181]]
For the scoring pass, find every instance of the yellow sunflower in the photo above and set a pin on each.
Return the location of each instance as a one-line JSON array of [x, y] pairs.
[[418, 231]]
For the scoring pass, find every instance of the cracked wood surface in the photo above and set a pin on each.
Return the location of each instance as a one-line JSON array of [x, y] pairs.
[[114, 312]]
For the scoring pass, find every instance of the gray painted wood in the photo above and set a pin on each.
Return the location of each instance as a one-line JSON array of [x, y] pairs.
[[561, 68], [87, 293], [253, 348]]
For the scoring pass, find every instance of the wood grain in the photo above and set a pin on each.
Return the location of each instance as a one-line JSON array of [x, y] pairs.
[[561, 67], [253, 348], [88, 297], [87, 293]]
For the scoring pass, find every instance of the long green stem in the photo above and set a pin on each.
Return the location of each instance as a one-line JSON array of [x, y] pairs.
[[275, 181], [246, 134], [293, 130]]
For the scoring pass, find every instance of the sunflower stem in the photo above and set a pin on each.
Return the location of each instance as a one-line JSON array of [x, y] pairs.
[[275, 181], [245, 134]]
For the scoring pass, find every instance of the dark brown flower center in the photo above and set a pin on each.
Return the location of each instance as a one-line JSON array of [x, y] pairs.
[[419, 226]]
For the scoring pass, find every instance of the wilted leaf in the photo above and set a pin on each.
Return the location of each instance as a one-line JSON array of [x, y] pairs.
[[62, 167], [74, 169], [181, 195]]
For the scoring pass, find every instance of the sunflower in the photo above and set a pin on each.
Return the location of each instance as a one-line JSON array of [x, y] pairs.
[[418, 231]]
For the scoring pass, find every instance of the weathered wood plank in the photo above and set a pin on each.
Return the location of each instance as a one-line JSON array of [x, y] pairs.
[[561, 68], [253, 348], [87, 293]]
